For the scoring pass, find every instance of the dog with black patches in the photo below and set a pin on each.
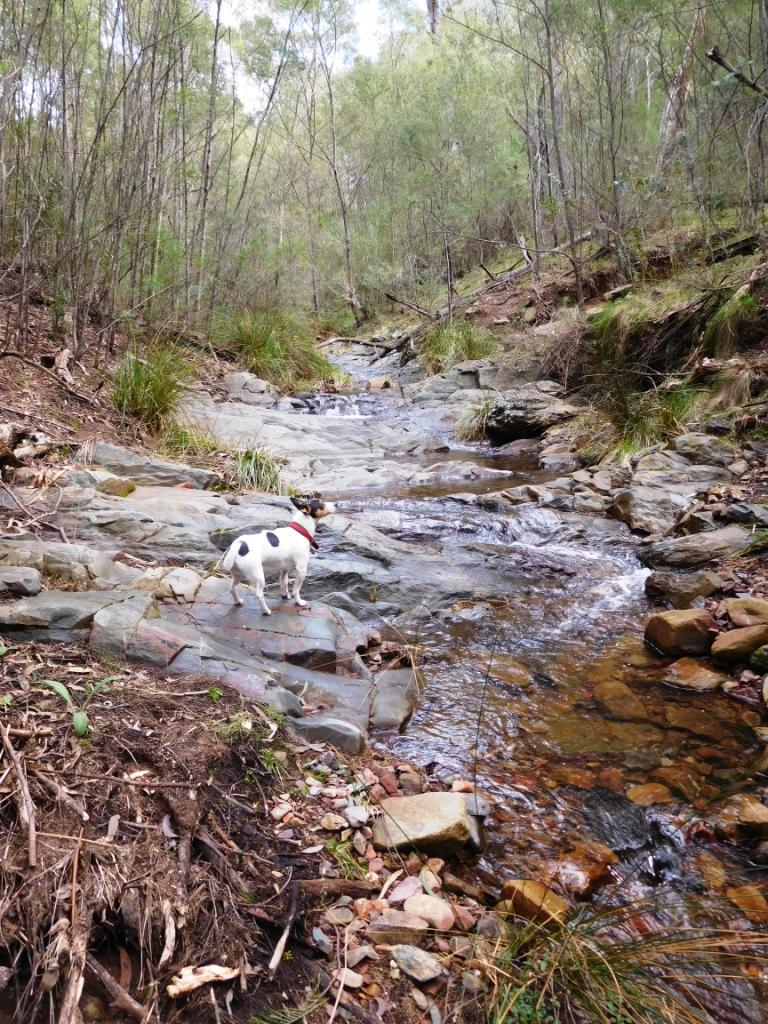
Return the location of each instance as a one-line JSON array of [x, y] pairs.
[[283, 551]]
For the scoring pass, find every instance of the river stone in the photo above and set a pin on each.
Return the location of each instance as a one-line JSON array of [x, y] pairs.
[[396, 926], [685, 631], [700, 723], [682, 589], [337, 732], [650, 793], [118, 486], [533, 900], [745, 611], [704, 449], [394, 698], [55, 610], [248, 388], [648, 509], [416, 963], [529, 410], [698, 548], [20, 581], [583, 868], [436, 912], [740, 816], [427, 821], [738, 644], [618, 701], [690, 674], [681, 778], [144, 470]]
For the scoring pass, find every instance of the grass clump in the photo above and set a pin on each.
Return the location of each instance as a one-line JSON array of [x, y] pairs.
[[448, 344], [180, 440], [147, 385], [735, 319], [276, 346], [256, 470], [470, 425], [641, 418]]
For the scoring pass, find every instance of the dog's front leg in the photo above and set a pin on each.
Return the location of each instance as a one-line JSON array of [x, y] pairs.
[[300, 603]]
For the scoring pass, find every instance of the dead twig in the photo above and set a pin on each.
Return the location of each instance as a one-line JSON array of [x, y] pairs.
[[61, 794], [120, 997], [10, 354], [25, 803], [293, 909]]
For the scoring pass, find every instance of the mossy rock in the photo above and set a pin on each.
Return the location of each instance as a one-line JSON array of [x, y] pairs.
[[759, 659]]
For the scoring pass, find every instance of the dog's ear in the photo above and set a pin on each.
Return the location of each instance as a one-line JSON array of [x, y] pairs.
[[300, 503]]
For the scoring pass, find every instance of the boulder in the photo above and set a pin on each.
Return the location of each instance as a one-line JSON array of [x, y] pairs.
[[690, 674], [427, 821], [681, 590], [618, 701], [532, 900], [114, 625], [685, 631], [416, 963], [681, 778], [697, 549], [704, 449], [745, 611], [648, 509], [144, 470], [739, 644], [394, 699], [529, 410], [20, 581], [117, 486], [248, 388], [325, 729]]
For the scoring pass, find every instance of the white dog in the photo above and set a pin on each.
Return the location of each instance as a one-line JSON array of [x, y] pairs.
[[283, 550]]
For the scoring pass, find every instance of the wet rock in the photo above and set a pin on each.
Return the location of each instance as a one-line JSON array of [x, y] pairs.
[[745, 611], [739, 644], [529, 410], [118, 487], [337, 732], [396, 926], [436, 912], [416, 963], [650, 793], [690, 674], [618, 701], [685, 631], [394, 699], [750, 901], [648, 509], [532, 900], [703, 449], [143, 470], [681, 778], [428, 821], [583, 868], [20, 581], [741, 816], [700, 723], [682, 590], [698, 549]]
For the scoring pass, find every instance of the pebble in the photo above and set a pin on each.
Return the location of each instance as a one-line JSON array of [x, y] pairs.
[[356, 815], [407, 887], [349, 978], [388, 780], [354, 956], [279, 811], [333, 822], [359, 844], [416, 963], [465, 918], [322, 941], [339, 915], [434, 911], [472, 983], [420, 999], [429, 880]]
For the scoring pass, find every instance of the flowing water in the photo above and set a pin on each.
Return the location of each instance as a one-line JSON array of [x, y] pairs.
[[508, 682]]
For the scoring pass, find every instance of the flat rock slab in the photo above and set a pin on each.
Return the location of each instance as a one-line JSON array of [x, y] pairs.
[[20, 581], [144, 470], [64, 561], [54, 613], [428, 821], [697, 549]]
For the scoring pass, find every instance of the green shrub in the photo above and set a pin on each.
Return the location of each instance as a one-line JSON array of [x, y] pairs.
[[256, 470], [448, 344], [470, 425], [147, 385], [277, 346], [641, 418], [734, 319]]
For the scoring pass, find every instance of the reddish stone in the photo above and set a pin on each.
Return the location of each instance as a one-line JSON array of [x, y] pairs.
[[389, 781]]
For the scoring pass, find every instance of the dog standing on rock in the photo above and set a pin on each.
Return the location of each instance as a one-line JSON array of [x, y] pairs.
[[284, 550]]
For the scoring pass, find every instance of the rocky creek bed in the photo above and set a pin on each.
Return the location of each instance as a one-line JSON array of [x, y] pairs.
[[477, 618]]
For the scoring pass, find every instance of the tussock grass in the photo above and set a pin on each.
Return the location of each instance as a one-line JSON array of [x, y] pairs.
[[448, 344], [256, 470], [470, 426], [277, 346], [147, 385], [601, 968], [184, 441], [735, 317]]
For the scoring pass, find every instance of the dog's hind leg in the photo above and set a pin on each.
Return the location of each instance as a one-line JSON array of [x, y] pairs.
[[284, 584], [236, 578]]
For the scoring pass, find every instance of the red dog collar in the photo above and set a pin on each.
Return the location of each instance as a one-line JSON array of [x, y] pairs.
[[304, 533]]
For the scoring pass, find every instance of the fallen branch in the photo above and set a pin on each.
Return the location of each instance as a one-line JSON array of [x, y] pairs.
[[293, 909], [25, 803], [61, 794], [69, 1012], [336, 887], [120, 998], [10, 354], [411, 305], [717, 57]]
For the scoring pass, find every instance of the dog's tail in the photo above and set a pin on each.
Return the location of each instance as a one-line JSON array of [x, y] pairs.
[[227, 560]]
